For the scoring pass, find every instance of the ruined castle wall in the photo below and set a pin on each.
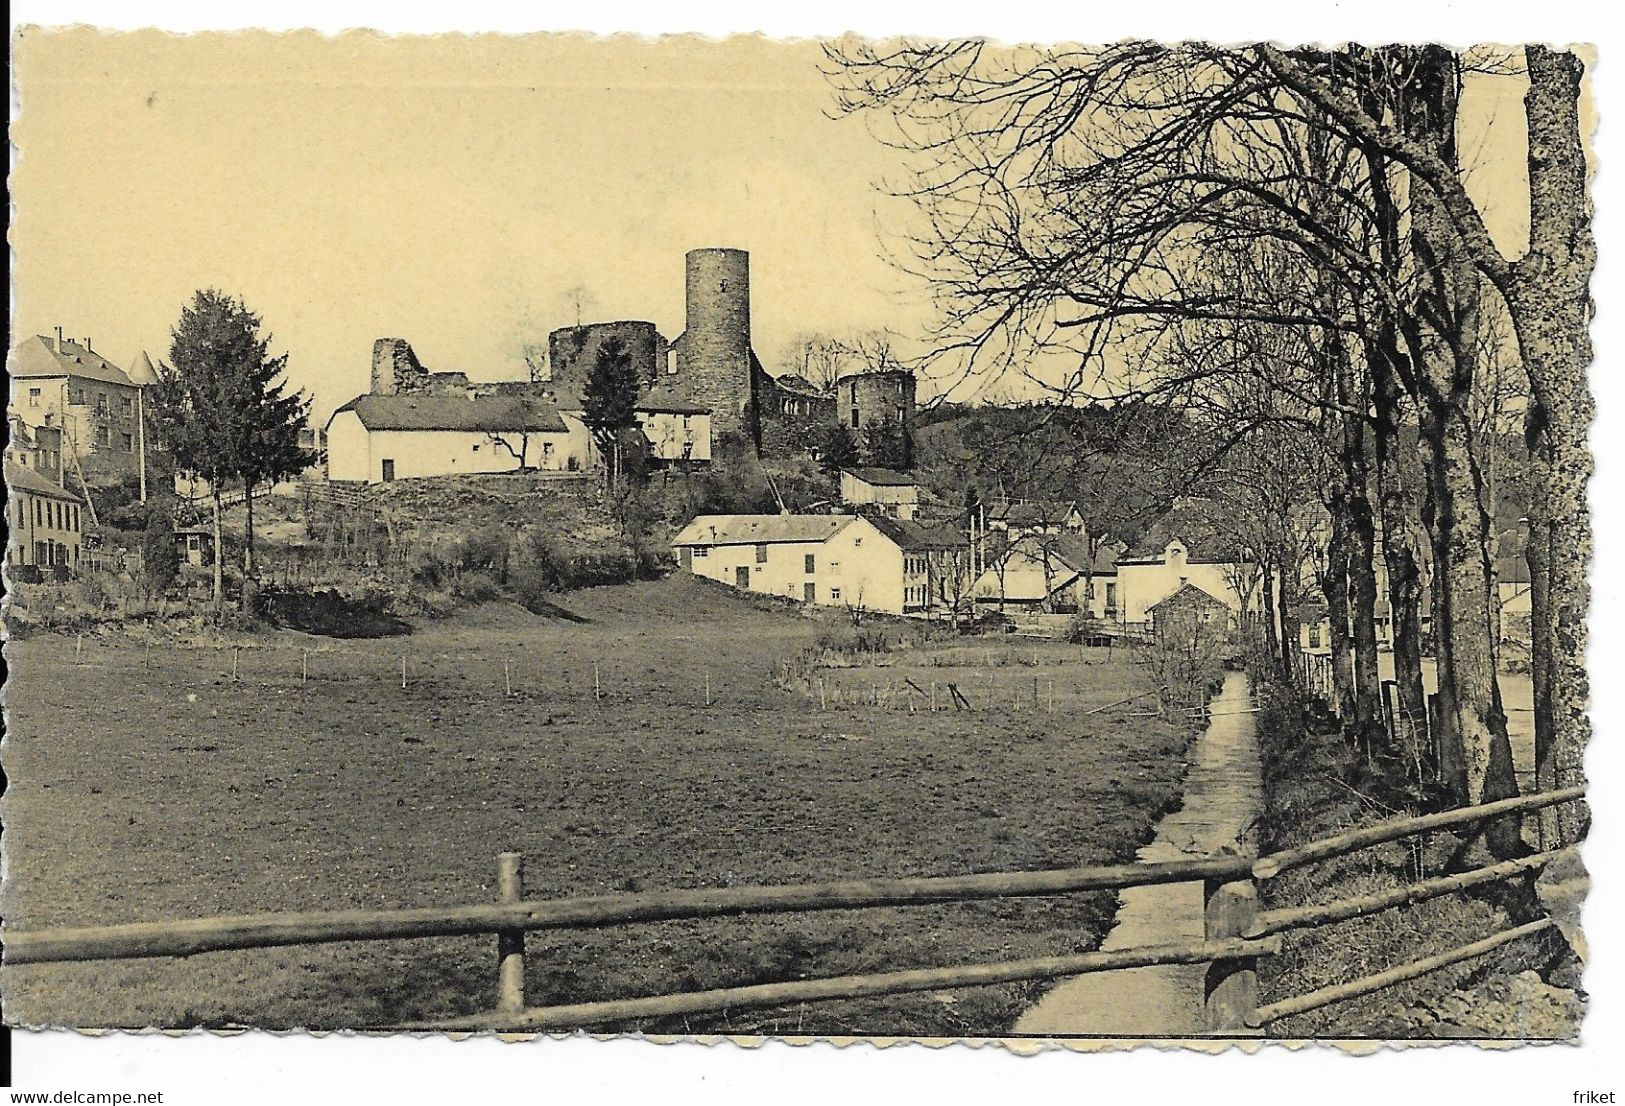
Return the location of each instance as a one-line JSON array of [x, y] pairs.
[[573, 350], [791, 421]]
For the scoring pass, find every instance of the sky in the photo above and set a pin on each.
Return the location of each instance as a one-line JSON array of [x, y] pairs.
[[451, 193], [454, 191]]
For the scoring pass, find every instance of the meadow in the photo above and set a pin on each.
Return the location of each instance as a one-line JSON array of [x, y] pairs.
[[659, 735]]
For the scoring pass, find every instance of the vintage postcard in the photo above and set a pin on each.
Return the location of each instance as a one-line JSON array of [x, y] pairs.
[[935, 540]]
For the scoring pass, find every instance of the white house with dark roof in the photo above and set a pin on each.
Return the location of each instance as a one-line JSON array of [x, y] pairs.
[[1145, 577], [678, 428], [379, 438], [873, 564], [886, 490]]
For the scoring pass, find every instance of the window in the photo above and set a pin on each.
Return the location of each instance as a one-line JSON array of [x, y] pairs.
[[835, 566], [854, 418], [103, 437], [547, 449], [1111, 597], [33, 397], [811, 563], [39, 514], [834, 594], [76, 517], [101, 403], [701, 551], [475, 447], [761, 552], [76, 395], [686, 420], [126, 404], [126, 442]]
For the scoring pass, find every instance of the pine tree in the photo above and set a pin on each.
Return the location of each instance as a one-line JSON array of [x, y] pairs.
[[221, 409], [836, 449], [609, 402]]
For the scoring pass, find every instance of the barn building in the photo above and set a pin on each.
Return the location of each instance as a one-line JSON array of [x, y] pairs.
[[882, 490]]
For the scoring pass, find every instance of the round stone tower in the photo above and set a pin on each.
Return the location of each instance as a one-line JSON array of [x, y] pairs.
[[713, 355], [872, 395]]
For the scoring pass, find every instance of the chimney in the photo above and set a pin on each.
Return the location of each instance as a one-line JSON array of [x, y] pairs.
[[59, 339], [87, 346]]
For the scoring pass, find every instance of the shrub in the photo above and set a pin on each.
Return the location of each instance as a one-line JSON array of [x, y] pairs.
[[486, 549], [476, 587]]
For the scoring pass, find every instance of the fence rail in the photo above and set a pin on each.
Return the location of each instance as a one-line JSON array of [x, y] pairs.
[[1235, 934]]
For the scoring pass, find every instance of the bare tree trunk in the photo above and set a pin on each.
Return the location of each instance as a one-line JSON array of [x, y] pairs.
[[1271, 641], [1399, 550], [1335, 583], [1362, 555], [1463, 578], [1550, 304], [248, 531], [219, 548], [1291, 626]]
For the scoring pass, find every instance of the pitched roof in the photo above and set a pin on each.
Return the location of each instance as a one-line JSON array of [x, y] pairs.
[[754, 529], [1188, 593], [1200, 524], [1512, 568], [912, 536], [1036, 513], [497, 414], [882, 477], [1071, 550], [668, 400], [39, 356], [27, 480]]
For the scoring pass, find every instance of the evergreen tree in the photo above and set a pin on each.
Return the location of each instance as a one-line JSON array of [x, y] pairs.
[[836, 449], [221, 409], [885, 443], [160, 560], [609, 402]]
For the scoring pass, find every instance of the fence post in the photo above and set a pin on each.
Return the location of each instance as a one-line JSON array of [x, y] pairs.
[[510, 942], [1230, 993]]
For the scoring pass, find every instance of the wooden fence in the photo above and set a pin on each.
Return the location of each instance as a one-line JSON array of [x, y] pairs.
[[1236, 932]]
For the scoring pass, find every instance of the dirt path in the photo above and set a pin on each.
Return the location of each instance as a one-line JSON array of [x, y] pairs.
[[1223, 797]]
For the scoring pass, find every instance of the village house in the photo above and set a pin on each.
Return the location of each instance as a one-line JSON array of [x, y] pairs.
[[678, 430], [1028, 516], [1050, 571], [94, 408], [379, 438], [1146, 577], [862, 563], [45, 523], [885, 491]]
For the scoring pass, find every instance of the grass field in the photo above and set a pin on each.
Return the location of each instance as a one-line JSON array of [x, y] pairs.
[[175, 791]]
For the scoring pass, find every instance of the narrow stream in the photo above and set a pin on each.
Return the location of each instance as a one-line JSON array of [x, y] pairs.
[[1223, 799]]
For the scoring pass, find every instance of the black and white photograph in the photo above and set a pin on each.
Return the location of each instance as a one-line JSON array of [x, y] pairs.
[[1078, 546]]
